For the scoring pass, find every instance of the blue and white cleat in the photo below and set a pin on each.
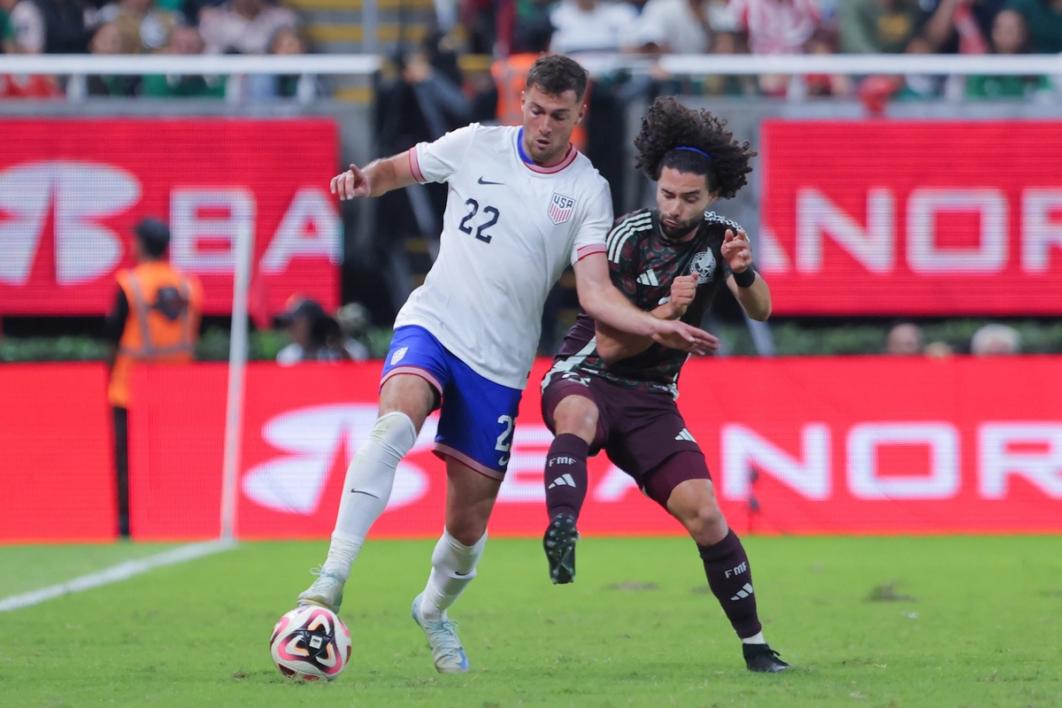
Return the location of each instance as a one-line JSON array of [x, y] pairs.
[[446, 650], [326, 591]]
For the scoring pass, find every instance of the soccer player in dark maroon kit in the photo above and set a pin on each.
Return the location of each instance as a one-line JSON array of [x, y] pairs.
[[615, 392]]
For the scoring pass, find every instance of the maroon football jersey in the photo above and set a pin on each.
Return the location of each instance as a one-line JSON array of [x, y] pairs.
[[643, 262]]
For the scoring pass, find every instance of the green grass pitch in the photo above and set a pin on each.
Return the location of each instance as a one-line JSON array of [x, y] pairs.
[[936, 621]]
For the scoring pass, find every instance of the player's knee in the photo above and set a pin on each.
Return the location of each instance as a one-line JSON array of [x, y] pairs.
[[392, 436], [706, 523], [467, 531], [372, 471], [576, 415], [410, 395]]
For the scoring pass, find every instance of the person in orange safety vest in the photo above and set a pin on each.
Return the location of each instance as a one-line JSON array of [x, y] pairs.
[[155, 318], [510, 77]]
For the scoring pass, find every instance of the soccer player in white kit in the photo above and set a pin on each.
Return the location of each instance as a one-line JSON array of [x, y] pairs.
[[522, 204]]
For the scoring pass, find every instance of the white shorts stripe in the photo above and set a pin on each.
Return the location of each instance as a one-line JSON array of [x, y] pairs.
[[569, 363]]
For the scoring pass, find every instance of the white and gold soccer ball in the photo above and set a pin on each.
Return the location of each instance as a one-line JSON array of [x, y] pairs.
[[310, 643]]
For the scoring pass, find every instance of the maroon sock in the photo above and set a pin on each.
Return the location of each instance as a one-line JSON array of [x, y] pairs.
[[565, 476], [730, 579]]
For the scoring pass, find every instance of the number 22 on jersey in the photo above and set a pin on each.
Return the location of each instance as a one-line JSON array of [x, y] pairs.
[[479, 226]]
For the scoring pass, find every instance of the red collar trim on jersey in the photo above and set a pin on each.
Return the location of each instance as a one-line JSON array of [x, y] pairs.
[[568, 158]]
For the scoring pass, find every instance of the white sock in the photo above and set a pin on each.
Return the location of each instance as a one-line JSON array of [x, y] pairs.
[[367, 488], [453, 565], [756, 638]]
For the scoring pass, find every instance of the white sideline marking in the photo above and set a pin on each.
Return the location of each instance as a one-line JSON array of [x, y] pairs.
[[114, 574]]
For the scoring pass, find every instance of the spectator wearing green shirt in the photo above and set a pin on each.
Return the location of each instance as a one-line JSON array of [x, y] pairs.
[[1044, 20], [7, 32], [107, 41], [1009, 36], [918, 87], [878, 26], [183, 41]]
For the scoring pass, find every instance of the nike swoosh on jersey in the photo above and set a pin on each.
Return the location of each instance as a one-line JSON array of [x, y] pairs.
[[487, 181]]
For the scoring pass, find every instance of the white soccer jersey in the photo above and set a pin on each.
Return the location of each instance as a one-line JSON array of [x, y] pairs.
[[509, 230]]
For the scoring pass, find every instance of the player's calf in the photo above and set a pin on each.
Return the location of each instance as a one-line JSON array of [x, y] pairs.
[[566, 481], [682, 485]]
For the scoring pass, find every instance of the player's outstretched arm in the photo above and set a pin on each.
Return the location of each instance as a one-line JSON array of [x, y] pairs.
[[753, 295], [607, 305], [614, 345], [377, 178]]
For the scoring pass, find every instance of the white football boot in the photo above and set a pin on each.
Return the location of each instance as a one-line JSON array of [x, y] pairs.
[[446, 650], [326, 591]]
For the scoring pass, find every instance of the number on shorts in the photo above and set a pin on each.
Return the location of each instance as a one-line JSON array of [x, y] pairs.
[[505, 440]]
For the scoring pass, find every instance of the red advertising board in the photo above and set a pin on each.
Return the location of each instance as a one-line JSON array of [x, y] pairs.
[[912, 218], [861, 445], [56, 468], [71, 191]]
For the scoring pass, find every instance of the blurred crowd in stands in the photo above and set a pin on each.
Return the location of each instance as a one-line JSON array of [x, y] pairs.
[[315, 335], [138, 27], [468, 60], [504, 28], [991, 339]]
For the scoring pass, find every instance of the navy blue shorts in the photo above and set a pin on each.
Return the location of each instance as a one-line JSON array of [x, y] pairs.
[[478, 415]]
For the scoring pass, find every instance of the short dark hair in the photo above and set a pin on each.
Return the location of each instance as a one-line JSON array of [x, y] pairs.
[[697, 142], [153, 235], [555, 73]]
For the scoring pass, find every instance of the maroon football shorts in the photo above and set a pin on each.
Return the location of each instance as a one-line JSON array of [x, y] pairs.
[[639, 430]]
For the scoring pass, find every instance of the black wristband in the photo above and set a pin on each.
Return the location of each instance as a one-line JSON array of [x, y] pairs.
[[745, 278]]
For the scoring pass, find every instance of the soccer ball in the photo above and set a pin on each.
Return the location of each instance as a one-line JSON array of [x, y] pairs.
[[310, 643]]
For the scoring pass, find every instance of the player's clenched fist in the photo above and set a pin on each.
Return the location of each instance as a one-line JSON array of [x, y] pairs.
[[350, 184], [736, 251], [683, 291]]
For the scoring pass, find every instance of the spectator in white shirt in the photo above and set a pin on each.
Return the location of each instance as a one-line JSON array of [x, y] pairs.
[[242, 26], [592, 26], [777, 26], [683, 26]]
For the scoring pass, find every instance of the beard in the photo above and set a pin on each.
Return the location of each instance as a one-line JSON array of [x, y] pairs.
[[676, 233]]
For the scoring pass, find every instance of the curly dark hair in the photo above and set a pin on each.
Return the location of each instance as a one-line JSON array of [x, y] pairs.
[[668, 125]]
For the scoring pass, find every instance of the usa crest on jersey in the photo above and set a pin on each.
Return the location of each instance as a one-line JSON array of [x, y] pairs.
[[560, 208]]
